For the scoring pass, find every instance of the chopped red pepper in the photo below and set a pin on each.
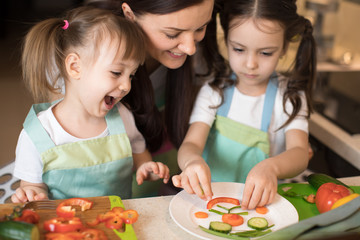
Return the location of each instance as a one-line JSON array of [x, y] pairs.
[[29, 216], [130, 216], [65, 209], [116, 218], [86, 234], [60, 225], [217, 200]]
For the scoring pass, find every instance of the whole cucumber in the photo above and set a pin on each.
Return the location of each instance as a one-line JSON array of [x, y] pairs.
[[318, 179], [14, 230]]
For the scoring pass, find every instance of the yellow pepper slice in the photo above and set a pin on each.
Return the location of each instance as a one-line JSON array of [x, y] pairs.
[[344, 200]]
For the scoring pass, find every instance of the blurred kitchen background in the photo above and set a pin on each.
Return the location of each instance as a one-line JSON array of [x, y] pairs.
[[334, 128]]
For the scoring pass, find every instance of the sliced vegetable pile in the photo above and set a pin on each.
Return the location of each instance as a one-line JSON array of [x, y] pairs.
[[230, 219], [21, 224]]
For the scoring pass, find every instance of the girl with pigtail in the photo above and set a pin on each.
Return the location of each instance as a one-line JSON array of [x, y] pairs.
[[87, 143], [252, 126]]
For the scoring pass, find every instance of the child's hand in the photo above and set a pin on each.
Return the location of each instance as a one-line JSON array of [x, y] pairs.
[[195, 179], [152, 171], [260, 187], [27, 194]]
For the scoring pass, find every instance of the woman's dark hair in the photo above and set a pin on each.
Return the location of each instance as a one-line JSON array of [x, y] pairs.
[[301, 76], [181, 88]]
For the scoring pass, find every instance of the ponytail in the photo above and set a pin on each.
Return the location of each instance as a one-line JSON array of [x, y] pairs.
[[39, 54], [303, 75]]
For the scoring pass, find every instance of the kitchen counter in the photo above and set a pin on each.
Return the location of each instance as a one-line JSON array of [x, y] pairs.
[[335, 138], [155, 221]]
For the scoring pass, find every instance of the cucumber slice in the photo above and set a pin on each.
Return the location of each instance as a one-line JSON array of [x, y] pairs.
[[258, 223], [220, 227], [13, 230]]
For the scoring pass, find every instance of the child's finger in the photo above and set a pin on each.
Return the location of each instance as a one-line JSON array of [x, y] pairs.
[[140, 176], [248, 189], [186, 185], [176, 179], [206, 187], [41, 196], [20, 195], [195, 184], [30, 194]]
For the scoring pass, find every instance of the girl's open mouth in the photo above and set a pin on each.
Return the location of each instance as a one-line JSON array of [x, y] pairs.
[[109, 101]]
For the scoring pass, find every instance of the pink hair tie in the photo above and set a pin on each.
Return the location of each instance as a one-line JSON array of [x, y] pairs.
[[66, 25]]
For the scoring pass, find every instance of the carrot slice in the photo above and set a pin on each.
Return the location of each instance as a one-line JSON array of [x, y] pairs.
[[201, 215], [262, 210], [232, 219]]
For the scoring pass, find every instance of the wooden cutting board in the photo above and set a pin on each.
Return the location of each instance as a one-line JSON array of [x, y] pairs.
[[100, 205]]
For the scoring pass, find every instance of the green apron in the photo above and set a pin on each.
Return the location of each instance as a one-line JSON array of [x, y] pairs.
[[95, 167], [233, 148]]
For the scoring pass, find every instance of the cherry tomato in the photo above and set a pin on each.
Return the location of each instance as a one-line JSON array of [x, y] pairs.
[[328, 194]]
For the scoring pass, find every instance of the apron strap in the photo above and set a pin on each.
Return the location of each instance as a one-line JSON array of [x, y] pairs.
[[114, 122], [269, 102], [35, 130], [223, 110]]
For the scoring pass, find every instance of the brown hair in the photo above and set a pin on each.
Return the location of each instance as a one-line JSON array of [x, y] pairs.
[[181, 87], [301, 76], [47, 44]]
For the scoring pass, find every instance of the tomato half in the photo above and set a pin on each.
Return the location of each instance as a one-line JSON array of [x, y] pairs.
[[232, 219], [328, 194], [217, 200], [65, 209], [60, 225]]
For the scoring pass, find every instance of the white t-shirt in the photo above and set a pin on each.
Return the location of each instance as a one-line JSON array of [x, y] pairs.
[[248, 110], [28, 164]]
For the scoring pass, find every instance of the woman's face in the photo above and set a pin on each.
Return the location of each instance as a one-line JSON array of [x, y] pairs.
[[172, 37]]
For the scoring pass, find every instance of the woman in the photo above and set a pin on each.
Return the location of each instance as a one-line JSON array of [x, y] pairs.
[[174, 29]]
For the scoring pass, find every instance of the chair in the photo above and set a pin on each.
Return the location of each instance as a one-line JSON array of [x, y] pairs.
[[7, 181]]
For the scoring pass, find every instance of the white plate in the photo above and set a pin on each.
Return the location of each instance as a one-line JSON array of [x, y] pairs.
[[183, 207]]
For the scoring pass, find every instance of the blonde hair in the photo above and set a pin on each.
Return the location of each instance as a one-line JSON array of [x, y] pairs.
[[47, 44]]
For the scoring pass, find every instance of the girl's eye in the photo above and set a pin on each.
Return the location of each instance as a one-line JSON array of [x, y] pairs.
[[117, 74], [267, 53], [238, 49], [132, 76]]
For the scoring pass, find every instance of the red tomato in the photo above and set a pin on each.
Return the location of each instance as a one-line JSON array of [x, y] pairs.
[[217, 200], [64, 209], [328, 194], [232, 219], [60, 225]]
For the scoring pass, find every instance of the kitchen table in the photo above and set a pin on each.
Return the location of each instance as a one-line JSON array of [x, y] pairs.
[[155, 221]]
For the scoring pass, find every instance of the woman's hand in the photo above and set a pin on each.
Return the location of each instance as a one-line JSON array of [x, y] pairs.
[[152, 171], [29, 192], [195, 179]]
